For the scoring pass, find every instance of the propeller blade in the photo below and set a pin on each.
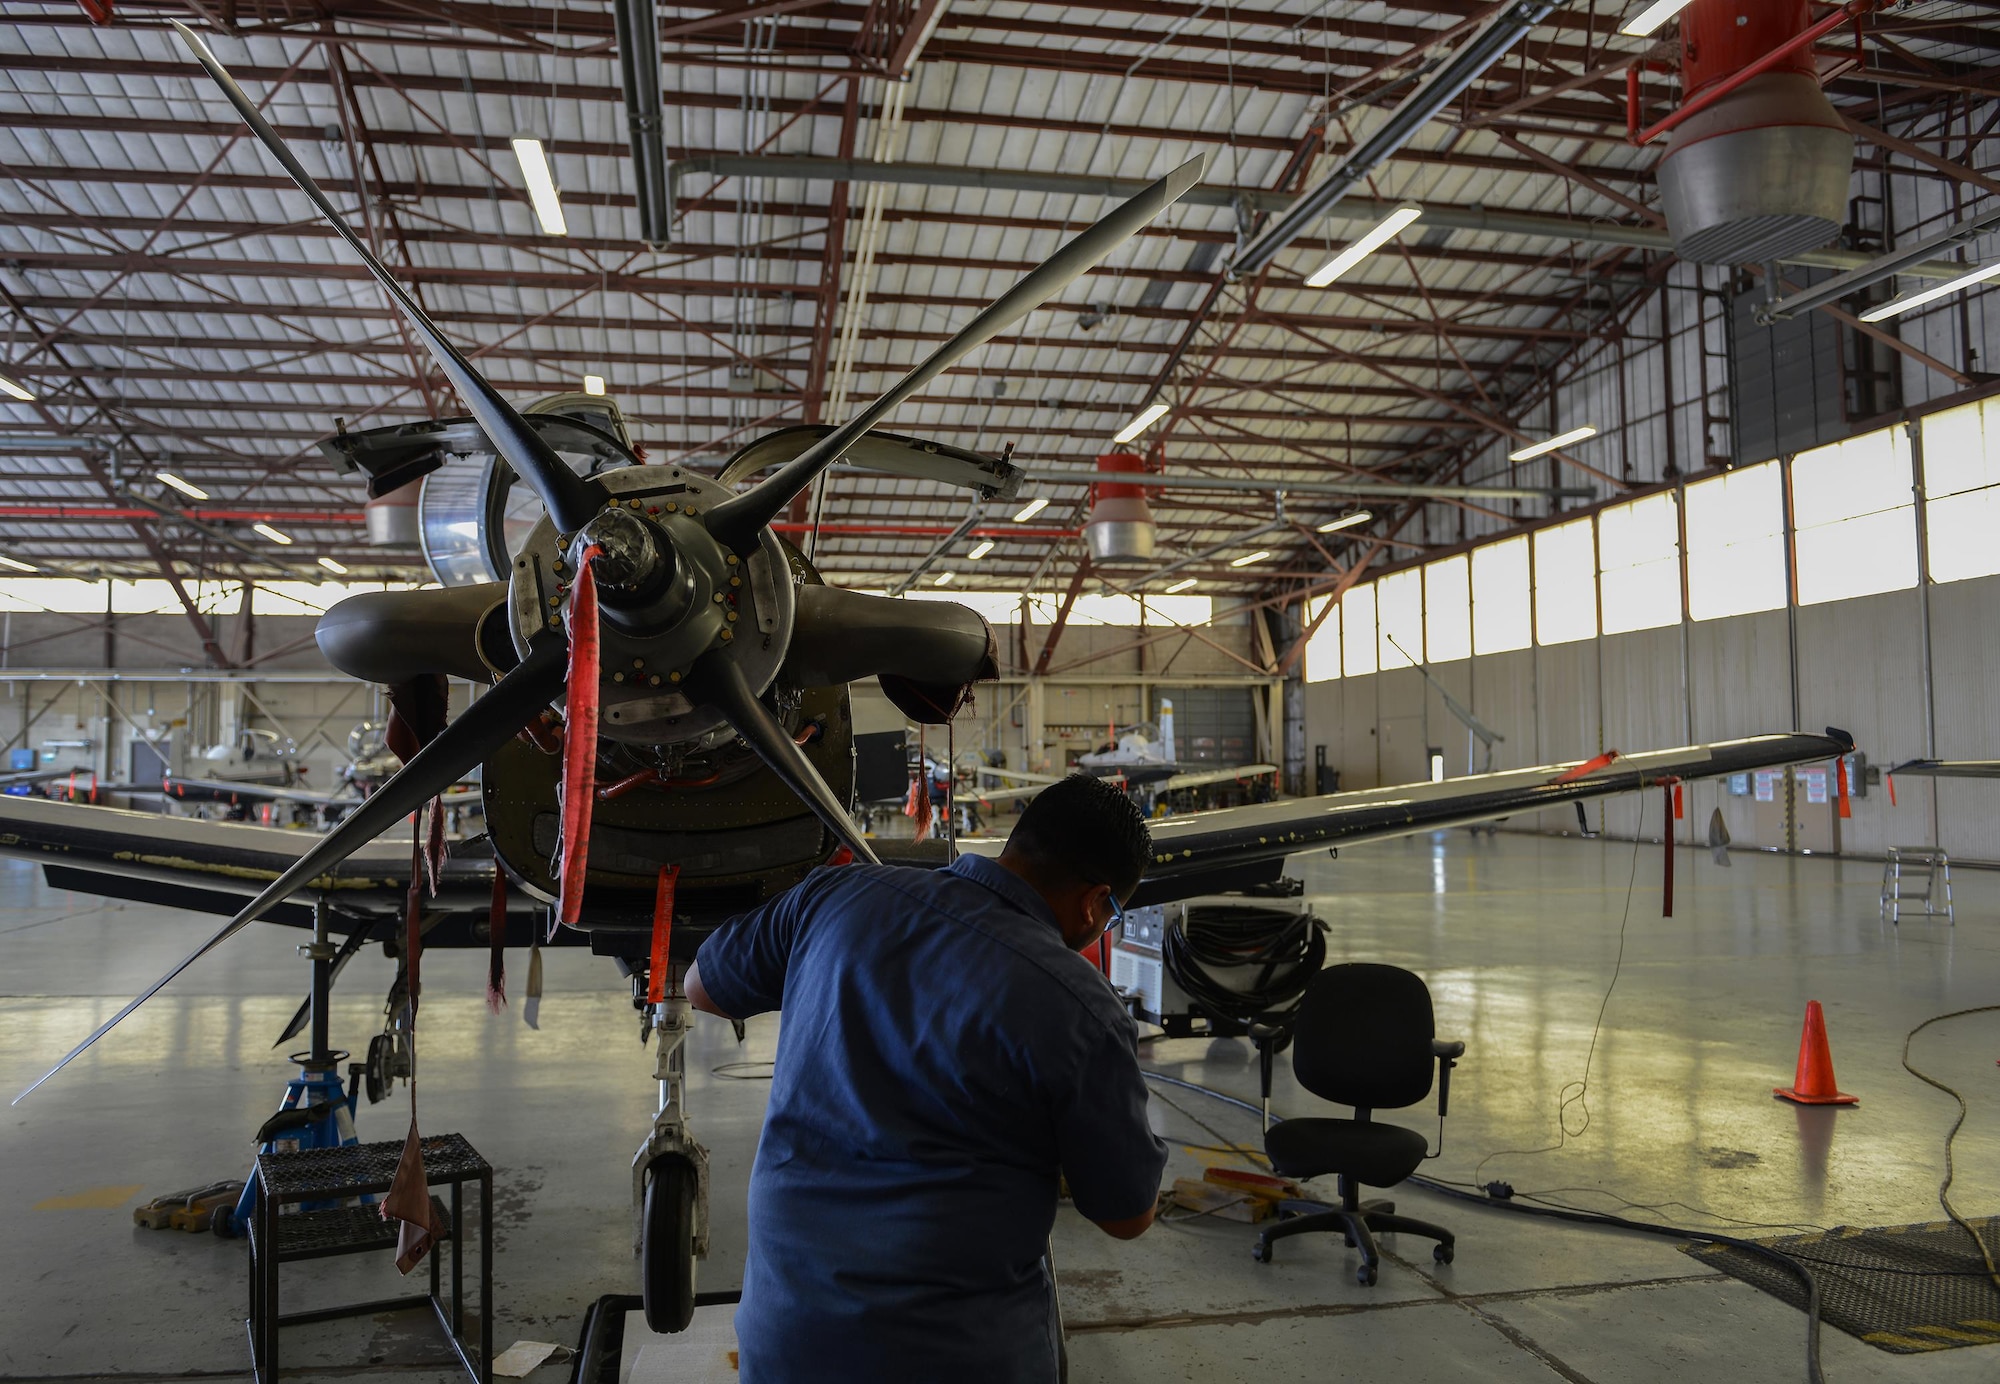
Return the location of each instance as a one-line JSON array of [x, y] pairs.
[[716, 680], [571, 499], [462, 745], [736, 521]]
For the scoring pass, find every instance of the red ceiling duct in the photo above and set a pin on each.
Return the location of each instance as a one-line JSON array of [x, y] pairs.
[[1120, 523], [1760, 164]]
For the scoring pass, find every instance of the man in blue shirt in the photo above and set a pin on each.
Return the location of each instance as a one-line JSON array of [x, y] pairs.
[[945, 1055]]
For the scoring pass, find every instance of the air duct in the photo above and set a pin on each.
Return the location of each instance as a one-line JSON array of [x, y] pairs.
[[1760, 164], [392, 518], [638, 28], [1121, 522]]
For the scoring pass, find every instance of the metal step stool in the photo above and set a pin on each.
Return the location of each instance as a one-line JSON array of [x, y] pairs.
[[1935, 866]]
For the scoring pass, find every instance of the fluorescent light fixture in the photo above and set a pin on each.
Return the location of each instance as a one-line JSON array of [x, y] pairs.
[[1249, 558], [1652, 17], [8, 387], [1183, 584], [1346, 521], [1031, 509], [541, 186], [187, 488], [593, 384], [334, 567], [1542, 449], [1388, 229], [1148, 416], [272, 533], [944, 579], [1931, 295], [18, 566], [985, 547]]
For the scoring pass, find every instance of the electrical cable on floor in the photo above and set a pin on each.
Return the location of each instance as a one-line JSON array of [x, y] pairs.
[[1944, 1188], [1575, 1093], [740, 1071]]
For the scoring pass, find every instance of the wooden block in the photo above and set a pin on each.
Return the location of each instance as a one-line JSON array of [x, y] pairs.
[[1223, 1203]]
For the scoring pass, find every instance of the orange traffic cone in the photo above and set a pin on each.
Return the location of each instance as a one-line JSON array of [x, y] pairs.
[[1814, 1084]]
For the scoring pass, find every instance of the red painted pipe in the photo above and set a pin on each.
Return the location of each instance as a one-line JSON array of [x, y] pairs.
[[924, 531], [263, 516], [1714, 90]]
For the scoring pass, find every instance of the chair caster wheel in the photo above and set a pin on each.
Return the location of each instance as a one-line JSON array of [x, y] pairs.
[[1442, 1254], [1365, 1275], [1261, 1252]]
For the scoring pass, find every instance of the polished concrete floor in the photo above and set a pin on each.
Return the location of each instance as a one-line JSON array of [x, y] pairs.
[[1518, 937]]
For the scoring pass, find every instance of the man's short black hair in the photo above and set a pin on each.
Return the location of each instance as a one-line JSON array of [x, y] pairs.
[[1086, 831]]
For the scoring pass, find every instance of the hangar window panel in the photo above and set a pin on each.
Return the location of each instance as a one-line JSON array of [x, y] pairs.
[[1639, 549], [1565, 583], [1855, 517], [1399, 614], [1736, 543], [1323, 649], [1502, 619], [1962, 490], [1962, 449], [1448, 610], [1357, 630]]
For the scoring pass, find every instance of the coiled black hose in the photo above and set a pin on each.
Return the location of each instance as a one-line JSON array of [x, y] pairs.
[[1276, 950]]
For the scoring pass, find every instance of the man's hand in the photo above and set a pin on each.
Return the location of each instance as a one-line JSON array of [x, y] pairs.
[[1131, 1228], [698, 997]]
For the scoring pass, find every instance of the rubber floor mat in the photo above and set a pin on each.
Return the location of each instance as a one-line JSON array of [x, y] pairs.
[[1903, 1288]]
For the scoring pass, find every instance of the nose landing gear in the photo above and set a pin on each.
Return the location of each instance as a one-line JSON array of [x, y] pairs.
[[670, 1176]]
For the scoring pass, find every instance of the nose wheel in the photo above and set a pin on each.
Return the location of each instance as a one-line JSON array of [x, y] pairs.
[[666, 1245]]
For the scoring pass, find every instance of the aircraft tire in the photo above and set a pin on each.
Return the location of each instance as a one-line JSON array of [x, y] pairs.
[[666, 1280]]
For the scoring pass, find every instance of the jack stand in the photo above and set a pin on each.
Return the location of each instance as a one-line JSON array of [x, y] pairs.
[[670, 1173], [316, 1113]]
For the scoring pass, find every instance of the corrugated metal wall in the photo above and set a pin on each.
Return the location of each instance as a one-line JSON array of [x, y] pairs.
[[1860, 665]]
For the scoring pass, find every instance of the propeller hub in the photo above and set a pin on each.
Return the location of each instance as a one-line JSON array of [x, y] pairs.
[[634, 559]]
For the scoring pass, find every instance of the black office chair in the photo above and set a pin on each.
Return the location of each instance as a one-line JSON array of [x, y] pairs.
[[1363, 1037]]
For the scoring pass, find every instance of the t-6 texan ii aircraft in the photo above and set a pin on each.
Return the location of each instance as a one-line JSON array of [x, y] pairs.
[[651, 633]]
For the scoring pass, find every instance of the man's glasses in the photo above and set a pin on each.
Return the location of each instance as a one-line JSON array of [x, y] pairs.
[[1117, 913]]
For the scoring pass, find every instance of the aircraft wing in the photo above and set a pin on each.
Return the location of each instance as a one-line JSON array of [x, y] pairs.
[[1197, 778], [1019, 775], [1239, 847], [1003, 795], [189, 862], [176, 786], [1946, 768]]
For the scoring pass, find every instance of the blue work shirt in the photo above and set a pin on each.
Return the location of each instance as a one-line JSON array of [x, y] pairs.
[[943, 1056]]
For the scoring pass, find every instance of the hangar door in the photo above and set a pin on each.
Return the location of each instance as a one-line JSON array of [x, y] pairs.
[[1213, 725]]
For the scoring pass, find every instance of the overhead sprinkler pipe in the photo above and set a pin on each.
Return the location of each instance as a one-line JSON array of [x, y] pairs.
[[1466, 65]]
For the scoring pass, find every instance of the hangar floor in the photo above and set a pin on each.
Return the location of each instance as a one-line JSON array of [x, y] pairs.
[[1516, 935]]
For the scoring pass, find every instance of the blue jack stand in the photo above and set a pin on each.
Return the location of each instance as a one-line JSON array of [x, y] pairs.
[[317, 1111]]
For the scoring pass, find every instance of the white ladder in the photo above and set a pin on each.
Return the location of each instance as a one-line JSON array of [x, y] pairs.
[[1935, 867]]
